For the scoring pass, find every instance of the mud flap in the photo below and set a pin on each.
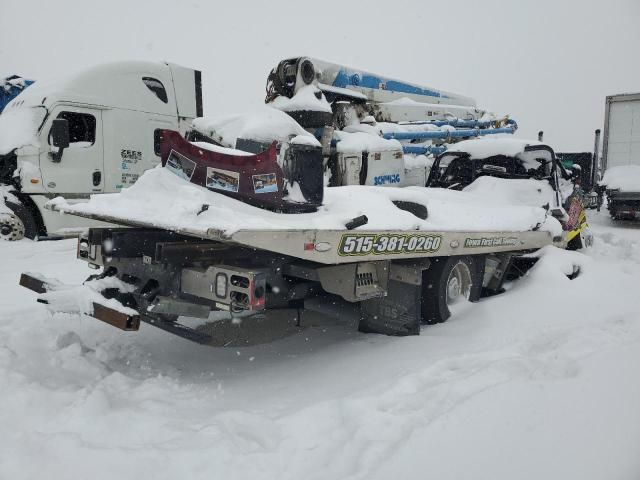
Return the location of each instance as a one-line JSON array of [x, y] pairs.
[[398, 313]]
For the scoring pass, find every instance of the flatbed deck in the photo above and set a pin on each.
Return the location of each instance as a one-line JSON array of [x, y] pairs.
[[333, 247]]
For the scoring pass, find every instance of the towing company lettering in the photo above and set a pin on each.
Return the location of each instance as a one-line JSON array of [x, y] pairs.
[[386, 179], [489, 242]]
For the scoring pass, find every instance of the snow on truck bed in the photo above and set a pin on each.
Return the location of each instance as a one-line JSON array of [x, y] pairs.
[[161, 198]]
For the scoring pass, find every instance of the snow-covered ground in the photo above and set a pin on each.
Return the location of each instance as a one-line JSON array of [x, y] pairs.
[[540, 382]]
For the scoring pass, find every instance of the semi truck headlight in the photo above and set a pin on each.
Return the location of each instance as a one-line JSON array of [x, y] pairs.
[[221, 285]]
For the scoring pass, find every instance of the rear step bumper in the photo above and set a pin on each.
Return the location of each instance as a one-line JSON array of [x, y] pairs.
[[101, 312], [116, 318]]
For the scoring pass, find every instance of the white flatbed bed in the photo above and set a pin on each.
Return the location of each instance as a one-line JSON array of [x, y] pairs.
[[349, 246]]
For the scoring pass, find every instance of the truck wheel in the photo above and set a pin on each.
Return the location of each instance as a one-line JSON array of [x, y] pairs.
[[449, 281], [19, 224], [575, 243], [583, 240]]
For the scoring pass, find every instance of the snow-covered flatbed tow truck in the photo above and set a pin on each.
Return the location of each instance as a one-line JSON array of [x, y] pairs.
[[400, 278], [244, 222]]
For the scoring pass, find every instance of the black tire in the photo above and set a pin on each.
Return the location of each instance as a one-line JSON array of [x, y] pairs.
[[24, 226], [519, 267], [575, 243], [435, 280]]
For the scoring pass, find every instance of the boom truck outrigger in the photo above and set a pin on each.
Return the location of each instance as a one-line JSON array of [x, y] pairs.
[[253, 227]]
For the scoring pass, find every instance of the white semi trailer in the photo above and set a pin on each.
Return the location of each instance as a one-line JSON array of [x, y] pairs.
[[621, 155]]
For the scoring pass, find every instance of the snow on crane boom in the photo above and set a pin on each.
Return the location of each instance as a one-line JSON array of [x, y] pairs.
[[390, 99]]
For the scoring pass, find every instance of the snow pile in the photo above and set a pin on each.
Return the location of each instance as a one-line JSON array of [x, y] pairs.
[[489, 117], [539, 382], [224, 150], [18, 127], [305, 99], [373, 129], [625, 178], [513, 191], [386, 127], [14, 81], [165, 200], [6, 194], [308, 140], [265, 124], [490, 146], [559, 264], [363, 142], [80, 298], [418, 161]]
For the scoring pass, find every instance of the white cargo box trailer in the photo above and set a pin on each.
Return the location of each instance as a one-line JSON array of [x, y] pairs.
[[621, 155], [621, 131]]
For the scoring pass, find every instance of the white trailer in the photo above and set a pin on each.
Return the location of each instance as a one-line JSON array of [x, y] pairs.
[[93, 132], [621, 155]]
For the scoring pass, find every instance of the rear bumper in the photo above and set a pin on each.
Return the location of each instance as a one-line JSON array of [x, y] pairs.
[[98, 310], [68, 299], [624, 205]]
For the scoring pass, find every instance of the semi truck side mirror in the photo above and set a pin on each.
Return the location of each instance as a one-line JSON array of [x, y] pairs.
[[59, 137]]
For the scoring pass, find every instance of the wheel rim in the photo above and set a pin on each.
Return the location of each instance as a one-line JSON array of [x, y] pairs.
[[458, 284], [11, 227]]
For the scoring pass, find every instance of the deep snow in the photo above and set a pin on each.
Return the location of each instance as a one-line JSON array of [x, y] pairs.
[[540, 382]]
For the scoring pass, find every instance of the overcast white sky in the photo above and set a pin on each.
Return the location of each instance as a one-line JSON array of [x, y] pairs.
[[549, 64]]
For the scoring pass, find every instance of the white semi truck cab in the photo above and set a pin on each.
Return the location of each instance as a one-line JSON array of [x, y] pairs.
[[94, 132]]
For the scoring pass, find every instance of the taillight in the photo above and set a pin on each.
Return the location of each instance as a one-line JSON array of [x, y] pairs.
[[257, 292], [83, 248], [221, 285]]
